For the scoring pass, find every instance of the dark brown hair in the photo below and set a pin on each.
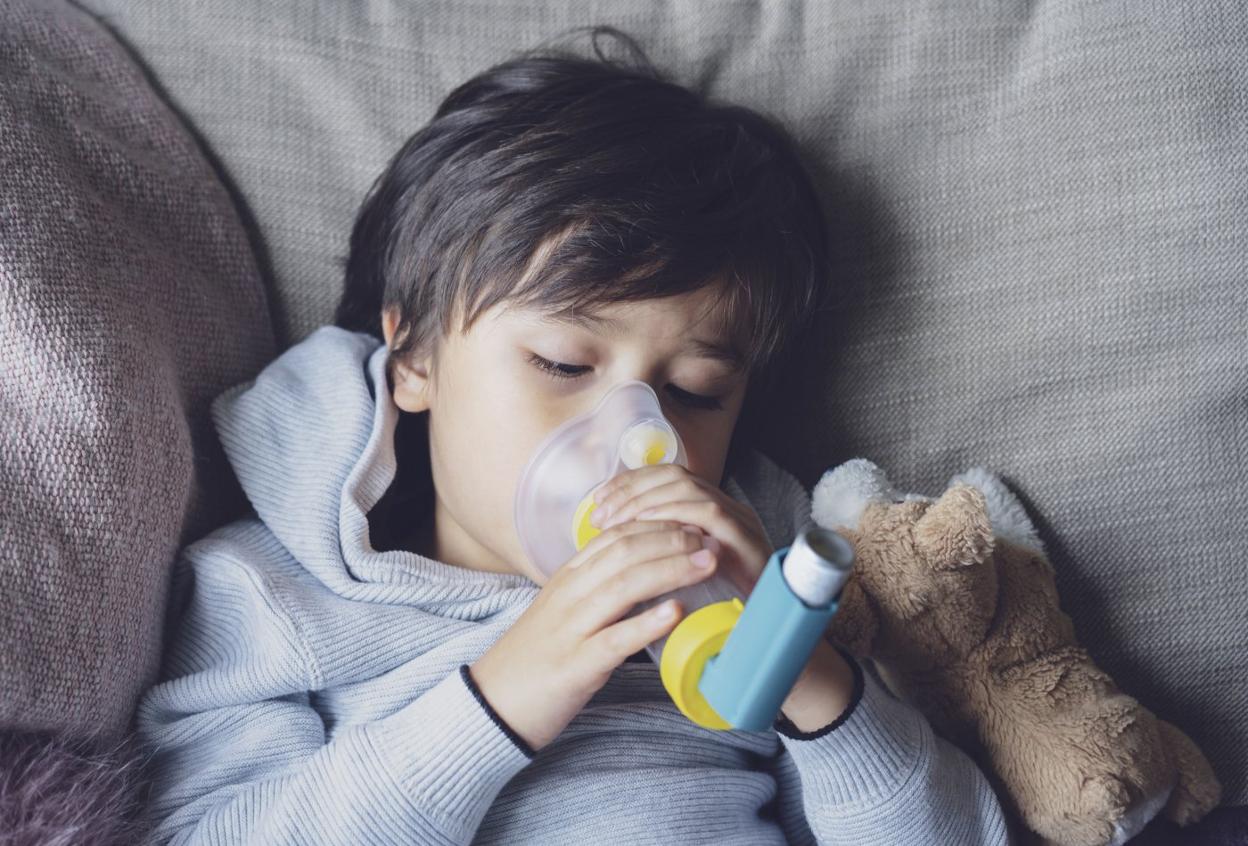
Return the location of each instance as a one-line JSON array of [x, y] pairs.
[[634, 187]]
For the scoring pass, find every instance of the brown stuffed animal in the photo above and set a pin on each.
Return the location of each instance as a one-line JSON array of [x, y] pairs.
[[965, 626]]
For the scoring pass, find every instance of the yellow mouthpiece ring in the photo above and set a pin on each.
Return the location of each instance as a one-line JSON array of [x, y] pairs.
[[698, 638], [584, 531]]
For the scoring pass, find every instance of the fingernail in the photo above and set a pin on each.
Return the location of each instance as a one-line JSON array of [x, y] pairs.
[[710, 542], [702, 558]]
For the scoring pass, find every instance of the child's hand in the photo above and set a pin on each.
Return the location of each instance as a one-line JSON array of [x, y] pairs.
[[671, 492], [565, 645]]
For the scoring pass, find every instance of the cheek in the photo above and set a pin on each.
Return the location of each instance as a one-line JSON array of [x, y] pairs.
[[475, 445], [706, 444]]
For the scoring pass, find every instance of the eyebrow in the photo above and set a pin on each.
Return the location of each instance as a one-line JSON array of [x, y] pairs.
[[602, 323]]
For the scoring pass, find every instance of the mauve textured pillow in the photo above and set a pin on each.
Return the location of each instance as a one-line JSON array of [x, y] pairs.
[[129, 297], [1039, 211]]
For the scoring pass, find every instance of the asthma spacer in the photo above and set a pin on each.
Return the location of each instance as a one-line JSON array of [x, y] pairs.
[[729, 663]]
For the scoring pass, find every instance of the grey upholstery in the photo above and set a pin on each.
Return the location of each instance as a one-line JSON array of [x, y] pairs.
[[1038, 210]]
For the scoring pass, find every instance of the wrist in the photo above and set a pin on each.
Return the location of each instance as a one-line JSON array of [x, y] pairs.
[[823, 692], [521, 742]]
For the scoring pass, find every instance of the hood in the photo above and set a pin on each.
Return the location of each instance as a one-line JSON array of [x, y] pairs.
[[312, 442]]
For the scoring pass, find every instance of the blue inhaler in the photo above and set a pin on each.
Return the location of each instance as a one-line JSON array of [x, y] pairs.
[[729, 663]]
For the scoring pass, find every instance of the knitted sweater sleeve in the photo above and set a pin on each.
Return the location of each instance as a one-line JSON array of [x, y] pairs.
[[239, 754], [879, 774]]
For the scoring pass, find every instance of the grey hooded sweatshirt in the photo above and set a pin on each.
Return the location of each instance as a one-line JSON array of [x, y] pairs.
[[314, 687]]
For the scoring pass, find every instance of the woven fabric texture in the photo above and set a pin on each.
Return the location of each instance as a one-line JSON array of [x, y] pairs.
[[129, 297], [1038, 211]]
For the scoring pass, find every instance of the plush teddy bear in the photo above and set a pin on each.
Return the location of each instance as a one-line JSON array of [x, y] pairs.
[[955, 602]]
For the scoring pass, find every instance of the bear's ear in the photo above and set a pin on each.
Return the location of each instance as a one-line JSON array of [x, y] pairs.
[[954, 531], [842, 494], [1006, 514]]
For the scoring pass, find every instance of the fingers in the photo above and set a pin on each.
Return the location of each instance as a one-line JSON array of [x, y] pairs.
[[604, 539], [630, 484], [626, 506], [622, 505], [636, 568], [612, 646], [708, 515], [740, 543]]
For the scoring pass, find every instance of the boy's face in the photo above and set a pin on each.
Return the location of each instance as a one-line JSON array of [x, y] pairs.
[[490, 406]]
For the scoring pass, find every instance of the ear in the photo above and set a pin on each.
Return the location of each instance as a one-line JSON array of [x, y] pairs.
[[410, 376], [842, 494], [1006, 514], [954, 531]]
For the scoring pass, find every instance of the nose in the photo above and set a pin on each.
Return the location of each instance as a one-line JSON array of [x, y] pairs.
[[631, 410], [614, 392]]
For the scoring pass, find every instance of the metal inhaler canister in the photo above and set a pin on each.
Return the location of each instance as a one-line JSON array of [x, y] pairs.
[[733, 665]]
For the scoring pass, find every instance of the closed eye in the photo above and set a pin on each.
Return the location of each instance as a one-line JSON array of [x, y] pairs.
[[557, 370]]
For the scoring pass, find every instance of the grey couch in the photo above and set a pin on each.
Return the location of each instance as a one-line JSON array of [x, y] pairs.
[[1039, 219]]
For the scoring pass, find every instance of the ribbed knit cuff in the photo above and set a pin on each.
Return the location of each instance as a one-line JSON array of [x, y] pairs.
[[785, 726], [520, 742], [447, 752], [877, 745]]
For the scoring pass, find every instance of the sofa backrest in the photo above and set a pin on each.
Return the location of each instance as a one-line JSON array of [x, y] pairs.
[[1038, 217]]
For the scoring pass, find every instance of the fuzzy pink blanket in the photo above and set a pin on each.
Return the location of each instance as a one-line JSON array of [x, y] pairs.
[[69, 793]]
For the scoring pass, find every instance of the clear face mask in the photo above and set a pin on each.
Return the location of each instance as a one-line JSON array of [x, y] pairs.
[[555, 494]]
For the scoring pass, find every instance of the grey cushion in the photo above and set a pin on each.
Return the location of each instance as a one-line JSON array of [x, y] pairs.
[[129, 297], [1039, 213]]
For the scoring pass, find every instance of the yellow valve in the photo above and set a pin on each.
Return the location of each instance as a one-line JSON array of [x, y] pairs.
[[698, 638], [584, 531], [646, 443]]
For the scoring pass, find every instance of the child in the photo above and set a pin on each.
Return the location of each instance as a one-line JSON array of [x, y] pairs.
[[371, 659]]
